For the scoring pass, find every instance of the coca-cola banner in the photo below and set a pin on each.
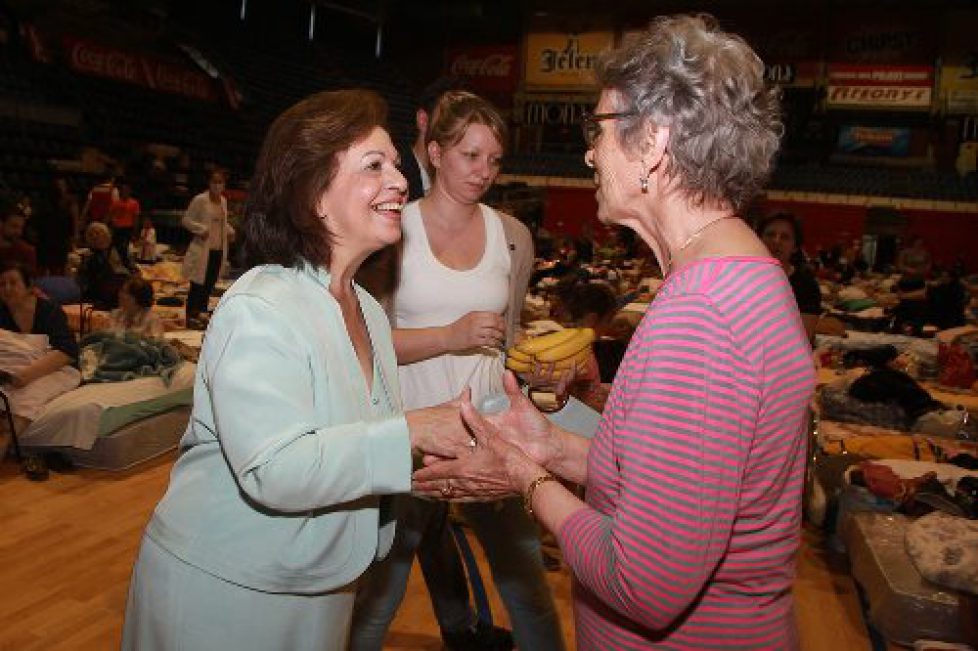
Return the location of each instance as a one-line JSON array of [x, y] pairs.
[[489, 69], [564, 61], [879, 87], [120, 65]]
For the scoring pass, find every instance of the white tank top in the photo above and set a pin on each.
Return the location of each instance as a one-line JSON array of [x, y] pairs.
[[429, 294]]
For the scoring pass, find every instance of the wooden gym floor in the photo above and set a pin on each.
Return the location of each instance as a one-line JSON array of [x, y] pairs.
[[67, 546]]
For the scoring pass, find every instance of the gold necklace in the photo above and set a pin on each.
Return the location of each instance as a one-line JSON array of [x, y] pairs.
[[699, 231], [689, 240]]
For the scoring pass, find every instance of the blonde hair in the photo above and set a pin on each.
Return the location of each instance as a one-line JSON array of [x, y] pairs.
[[455, 111]]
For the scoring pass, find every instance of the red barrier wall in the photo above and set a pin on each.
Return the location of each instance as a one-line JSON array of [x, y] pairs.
[[948, 235], [567, 209]]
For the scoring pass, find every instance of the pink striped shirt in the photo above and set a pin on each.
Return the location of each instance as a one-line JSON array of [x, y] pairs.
[[695, 473]]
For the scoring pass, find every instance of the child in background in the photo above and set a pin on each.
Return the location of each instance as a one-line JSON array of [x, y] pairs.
[[135, 312], [590, 304], [146, 244]]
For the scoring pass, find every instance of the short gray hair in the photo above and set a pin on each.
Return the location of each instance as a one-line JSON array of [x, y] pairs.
[[708, 87], [96, 228]]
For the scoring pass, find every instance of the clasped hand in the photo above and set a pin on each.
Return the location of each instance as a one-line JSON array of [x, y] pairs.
[[510, 446]]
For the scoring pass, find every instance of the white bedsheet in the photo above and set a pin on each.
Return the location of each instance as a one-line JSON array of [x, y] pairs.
[[73, 419]]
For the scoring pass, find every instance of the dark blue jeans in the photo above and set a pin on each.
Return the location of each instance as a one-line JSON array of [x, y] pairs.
[[200, 294]]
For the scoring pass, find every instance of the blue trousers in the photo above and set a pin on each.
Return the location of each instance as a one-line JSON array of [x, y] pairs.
[[512, 547]]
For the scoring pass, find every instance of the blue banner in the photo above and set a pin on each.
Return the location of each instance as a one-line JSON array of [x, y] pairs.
[[874, 141]]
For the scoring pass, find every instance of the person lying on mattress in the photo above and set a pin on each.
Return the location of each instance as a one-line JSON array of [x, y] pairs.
[[37, 350]]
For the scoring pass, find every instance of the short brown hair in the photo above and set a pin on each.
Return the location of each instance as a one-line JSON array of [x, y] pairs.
[[298, 161]]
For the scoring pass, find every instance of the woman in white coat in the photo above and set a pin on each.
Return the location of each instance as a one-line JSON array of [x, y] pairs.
[[207, 219]]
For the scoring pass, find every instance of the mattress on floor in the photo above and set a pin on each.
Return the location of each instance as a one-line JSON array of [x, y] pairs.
[[902, 605], [79, 418], [134, 443]]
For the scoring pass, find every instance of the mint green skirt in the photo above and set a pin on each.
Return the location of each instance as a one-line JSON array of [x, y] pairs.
[[176, 606]]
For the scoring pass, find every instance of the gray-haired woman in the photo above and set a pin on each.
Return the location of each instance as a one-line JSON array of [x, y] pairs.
[[688, 534]]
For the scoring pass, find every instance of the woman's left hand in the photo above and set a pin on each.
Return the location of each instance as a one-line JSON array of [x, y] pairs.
[[495, 468]]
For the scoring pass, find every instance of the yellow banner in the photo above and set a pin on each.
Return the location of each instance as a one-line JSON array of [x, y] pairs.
[[959, 89], [564, 61]]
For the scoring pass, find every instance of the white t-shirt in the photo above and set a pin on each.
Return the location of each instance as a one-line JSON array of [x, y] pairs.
[[430, 294]]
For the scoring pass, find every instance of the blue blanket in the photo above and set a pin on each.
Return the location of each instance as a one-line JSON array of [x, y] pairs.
[[111, 357]]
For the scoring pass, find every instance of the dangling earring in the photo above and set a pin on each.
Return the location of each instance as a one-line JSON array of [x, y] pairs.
[[644, 184]]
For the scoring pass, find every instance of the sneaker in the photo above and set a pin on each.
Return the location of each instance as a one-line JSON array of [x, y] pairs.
[[35, 468], [196, 323], [481, 637], [58, 462]]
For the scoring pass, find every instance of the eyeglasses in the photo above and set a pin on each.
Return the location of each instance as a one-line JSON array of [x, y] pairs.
[[591, 129]]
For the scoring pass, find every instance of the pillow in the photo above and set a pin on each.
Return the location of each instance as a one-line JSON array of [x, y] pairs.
[[944, 548]]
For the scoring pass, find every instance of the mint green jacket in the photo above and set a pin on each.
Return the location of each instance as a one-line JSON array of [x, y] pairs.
[[287, 454]]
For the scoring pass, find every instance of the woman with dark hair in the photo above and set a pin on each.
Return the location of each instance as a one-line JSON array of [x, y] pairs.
[[37, 350], [782, 234], [280, 498], [207, 219], [135, 311], [688, 534]]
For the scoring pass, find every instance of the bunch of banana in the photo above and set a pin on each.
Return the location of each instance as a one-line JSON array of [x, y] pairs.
[[555, 351]]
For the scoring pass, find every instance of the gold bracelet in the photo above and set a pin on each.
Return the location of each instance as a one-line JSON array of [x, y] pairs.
[[528, 496]]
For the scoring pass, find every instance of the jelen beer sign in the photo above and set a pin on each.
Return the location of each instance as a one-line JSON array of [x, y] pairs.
[[564, 61]]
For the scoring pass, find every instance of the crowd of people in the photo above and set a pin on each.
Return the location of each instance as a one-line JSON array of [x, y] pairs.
[[106, 237], [333, 427], [308, 476]]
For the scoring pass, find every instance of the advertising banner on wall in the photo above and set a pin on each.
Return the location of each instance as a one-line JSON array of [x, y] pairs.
[[792, 74], [553, 110], [563, 61], [788, 41], [959, 89], [854, 86], [896, 36], [874, 141], [490, 69], [129, 67], [959, 69]]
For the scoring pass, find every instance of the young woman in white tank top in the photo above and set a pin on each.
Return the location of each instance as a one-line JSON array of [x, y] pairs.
[[450, 304]]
